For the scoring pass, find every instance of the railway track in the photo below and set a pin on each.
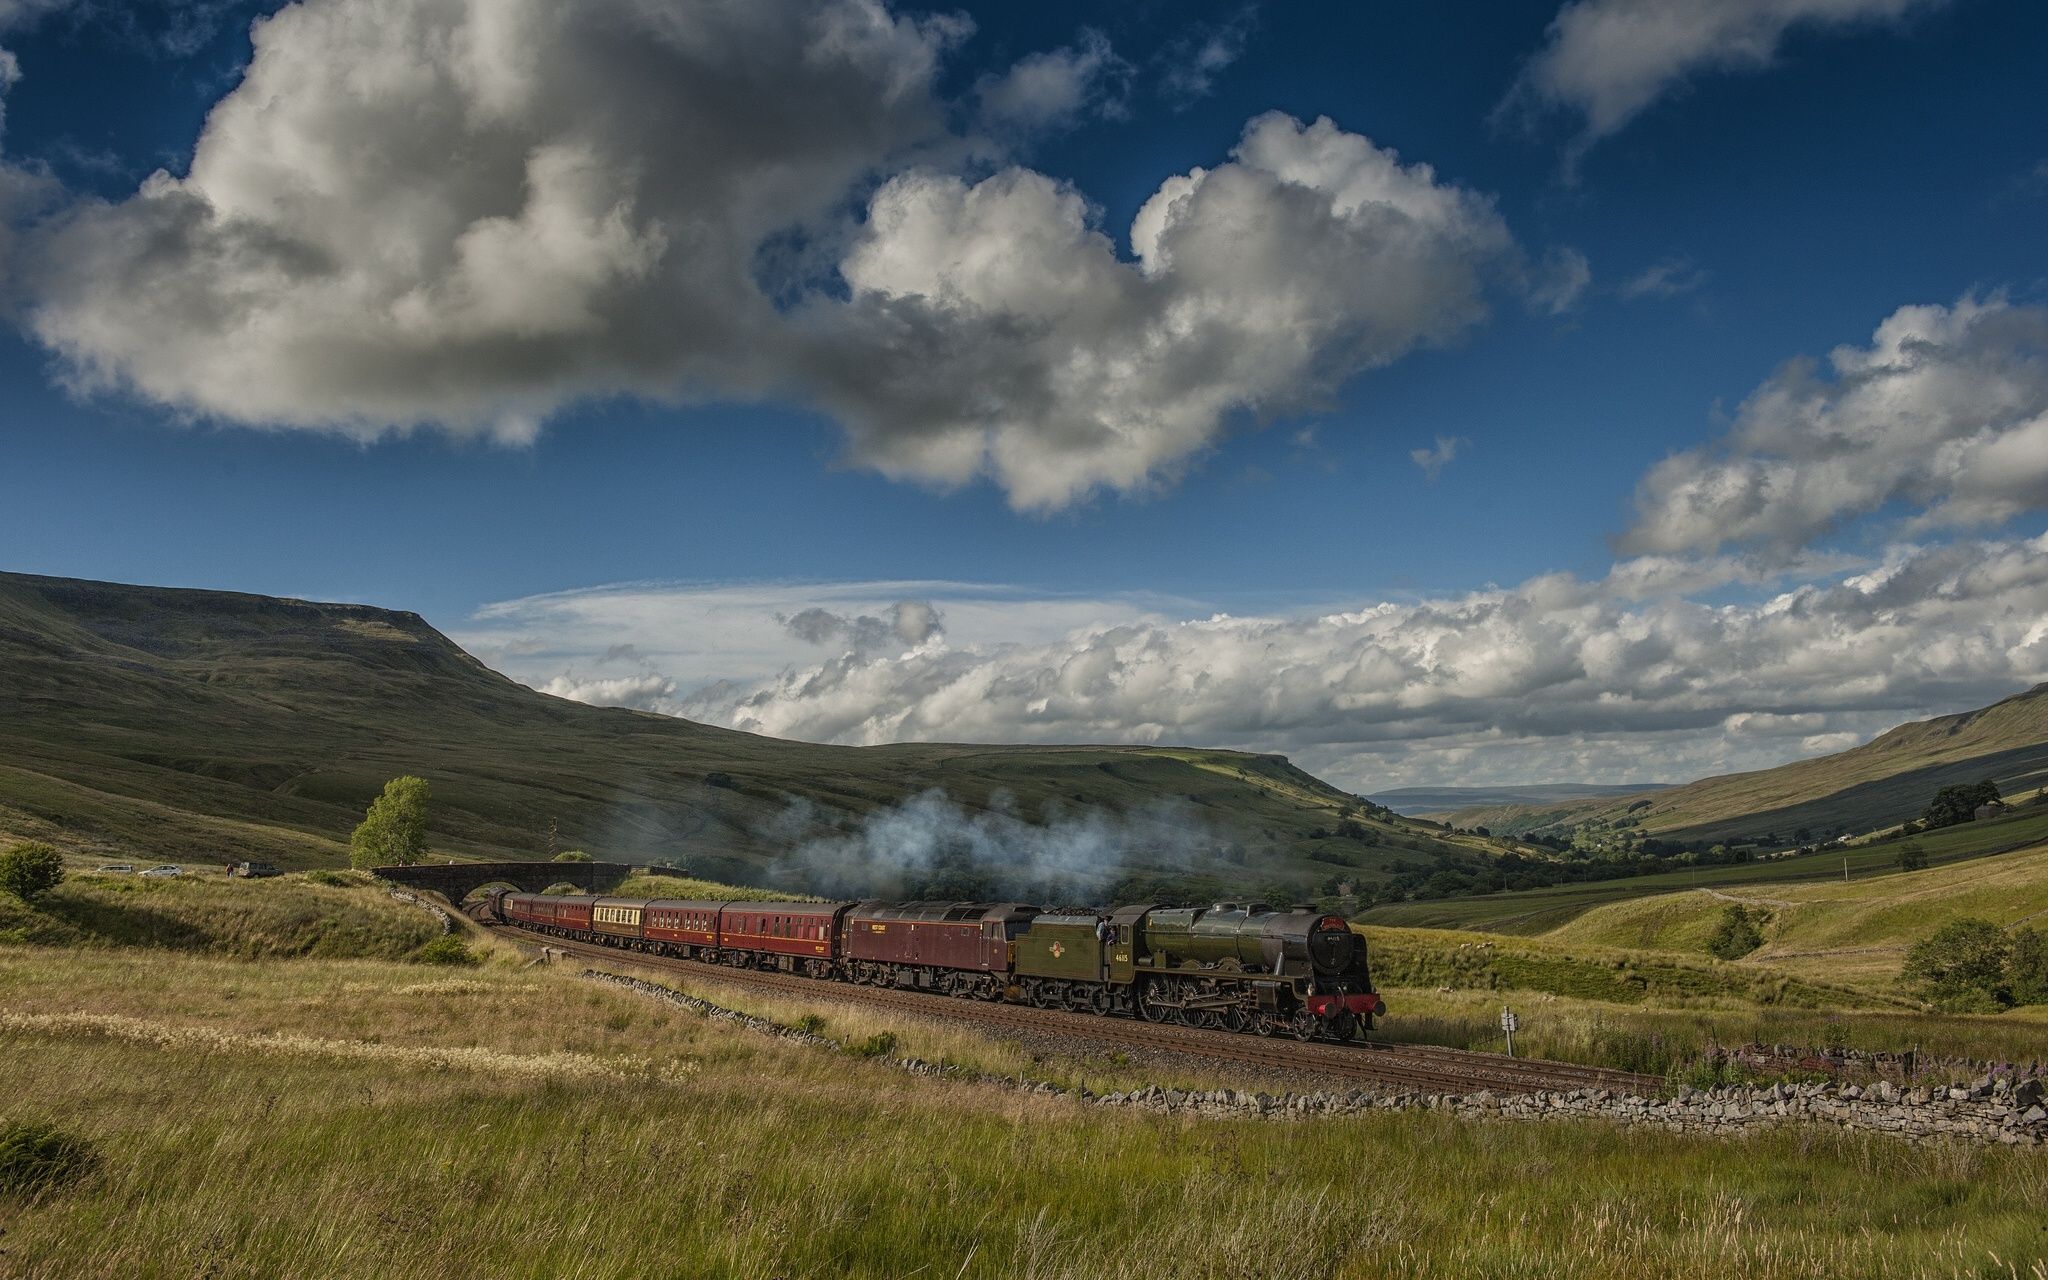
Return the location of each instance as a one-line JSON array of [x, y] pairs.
[[1414, 1068]]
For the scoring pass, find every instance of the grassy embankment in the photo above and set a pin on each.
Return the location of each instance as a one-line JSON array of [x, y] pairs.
[[331, 1117]]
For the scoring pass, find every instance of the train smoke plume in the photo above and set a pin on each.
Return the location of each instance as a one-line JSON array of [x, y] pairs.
[[933, 847]]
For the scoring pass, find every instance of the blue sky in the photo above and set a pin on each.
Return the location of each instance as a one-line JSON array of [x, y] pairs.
[[1741, 193]]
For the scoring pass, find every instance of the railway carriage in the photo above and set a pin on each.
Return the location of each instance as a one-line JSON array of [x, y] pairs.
[[791, 936], [617, 917], [959, 948], [682, 925], [564, 915]]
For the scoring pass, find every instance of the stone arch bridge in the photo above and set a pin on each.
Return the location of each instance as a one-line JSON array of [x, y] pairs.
[[455, 880]]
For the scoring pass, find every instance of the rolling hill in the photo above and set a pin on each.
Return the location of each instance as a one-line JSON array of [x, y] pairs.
[[1879, 784], [1438, 801], [203, 725]]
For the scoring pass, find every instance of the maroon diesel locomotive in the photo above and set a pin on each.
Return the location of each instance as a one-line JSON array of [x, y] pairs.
[[1236, 966]]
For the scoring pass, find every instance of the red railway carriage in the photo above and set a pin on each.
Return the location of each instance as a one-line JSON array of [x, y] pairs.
[[688, 921], [548, 911], [808, 930], [936, 935]]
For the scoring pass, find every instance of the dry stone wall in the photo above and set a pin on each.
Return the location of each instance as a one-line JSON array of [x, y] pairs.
[[1993, 1109]]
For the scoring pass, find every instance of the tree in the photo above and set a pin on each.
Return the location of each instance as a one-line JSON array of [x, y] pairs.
[[31, 869], [2027, 967], [570, 855], [1963, 960], [1739, 933], [1958, 803], [1913, 857], [394, 831]]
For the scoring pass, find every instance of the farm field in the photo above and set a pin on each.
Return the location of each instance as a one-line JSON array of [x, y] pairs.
[[1537, 911], [356, 1117]]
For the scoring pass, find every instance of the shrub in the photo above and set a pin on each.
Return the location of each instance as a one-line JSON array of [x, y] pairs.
[[571, 855], [334, 879], [35, 1157], [1738, 934], [30, 870], [1913, 857], [449, 950], [879, 1045], [1963, 962], [2027, 968], [810, 1024]]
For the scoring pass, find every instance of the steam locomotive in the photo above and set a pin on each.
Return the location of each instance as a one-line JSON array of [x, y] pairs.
[[1236, 966]]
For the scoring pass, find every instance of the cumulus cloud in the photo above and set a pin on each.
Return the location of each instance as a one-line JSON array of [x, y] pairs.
[[1056, 89], [1608, 60], [436, 213], [1945, 412], [907, 624], [649, 692], [1433, 460], [429, 211], [1555, 678], [996, 331]]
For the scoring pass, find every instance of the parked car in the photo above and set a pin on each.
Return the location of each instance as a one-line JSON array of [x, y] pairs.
[[253, 870], [165, 871], [118, 868]]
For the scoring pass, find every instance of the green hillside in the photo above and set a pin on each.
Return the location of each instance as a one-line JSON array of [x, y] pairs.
[[1879, 784], [199, 725], [1538, 911], [1853, 932]]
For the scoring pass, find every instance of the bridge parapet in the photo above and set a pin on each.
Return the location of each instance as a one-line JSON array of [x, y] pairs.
[[455, 880]]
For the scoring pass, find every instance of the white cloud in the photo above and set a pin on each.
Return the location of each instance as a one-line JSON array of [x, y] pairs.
[[1665, 279], [438, 213], [994, 330], [1433, 460], [1557, 282], [1054, 90], [1946, 412], [430, 211], [647, 692], [1556, 678], [1608, 60], [1191, 63]]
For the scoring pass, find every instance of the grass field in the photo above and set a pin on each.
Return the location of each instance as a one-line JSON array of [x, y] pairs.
[[1538, 911], [341, 1118], [1853, 932], [207, 912]]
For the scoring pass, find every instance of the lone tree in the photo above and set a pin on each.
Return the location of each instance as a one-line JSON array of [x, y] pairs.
[[394, 832], [31, 869], [1963, 959], [1958, 803], [1913, 857]]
